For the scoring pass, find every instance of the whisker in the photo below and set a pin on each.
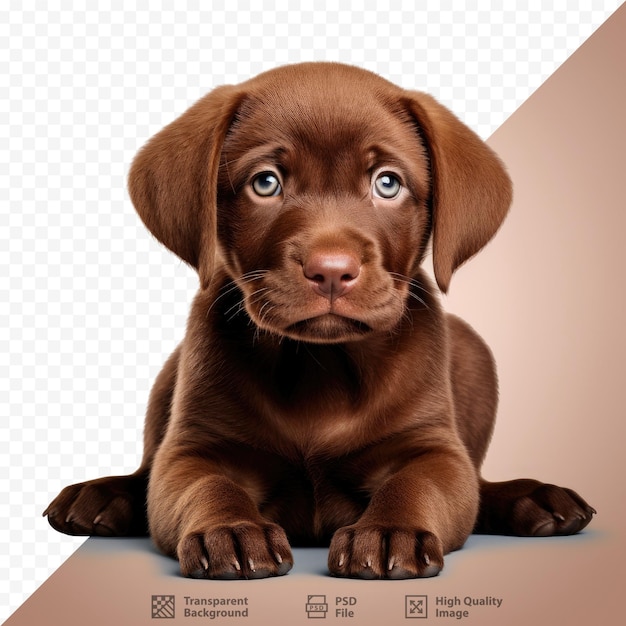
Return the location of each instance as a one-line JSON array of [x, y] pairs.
[[262, 310], [255, 296], [236, 308], [416, 297], [225, 292], [258, 330], [410, 281], [240, 304], [233, 285], [413, 284]]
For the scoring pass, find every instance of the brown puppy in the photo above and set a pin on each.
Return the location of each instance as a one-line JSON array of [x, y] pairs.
[[320, 395]]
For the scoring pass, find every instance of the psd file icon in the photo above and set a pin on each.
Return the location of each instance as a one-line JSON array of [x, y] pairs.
[[316, 607]]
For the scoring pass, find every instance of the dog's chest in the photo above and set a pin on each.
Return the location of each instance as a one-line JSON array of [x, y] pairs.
[[315, 403], [312, 502], [320, 430]]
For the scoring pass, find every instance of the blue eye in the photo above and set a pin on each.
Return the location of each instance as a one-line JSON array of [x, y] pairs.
[[266, 184], [387, 186]]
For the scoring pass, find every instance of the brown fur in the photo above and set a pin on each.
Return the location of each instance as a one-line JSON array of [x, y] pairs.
[[320, 395]]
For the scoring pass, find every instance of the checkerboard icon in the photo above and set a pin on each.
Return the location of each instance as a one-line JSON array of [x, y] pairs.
[[163, 607]]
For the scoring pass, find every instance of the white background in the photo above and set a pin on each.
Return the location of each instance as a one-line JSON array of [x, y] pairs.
[[91, 305]]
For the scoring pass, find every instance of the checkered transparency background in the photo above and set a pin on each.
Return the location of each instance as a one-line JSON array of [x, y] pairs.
[[91, 304]]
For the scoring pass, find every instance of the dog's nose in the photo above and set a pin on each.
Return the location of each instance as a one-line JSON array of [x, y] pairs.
[[332, 274]]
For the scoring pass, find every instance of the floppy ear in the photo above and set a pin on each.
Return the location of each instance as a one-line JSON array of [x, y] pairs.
[[173, 180], [471, 191]]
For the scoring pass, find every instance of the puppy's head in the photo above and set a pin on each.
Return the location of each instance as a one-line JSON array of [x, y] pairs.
[[317, 187]]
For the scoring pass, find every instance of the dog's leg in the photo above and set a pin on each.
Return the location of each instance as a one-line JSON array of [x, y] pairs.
[[210, 523], [517, 507], [422, 512], [116, 505]]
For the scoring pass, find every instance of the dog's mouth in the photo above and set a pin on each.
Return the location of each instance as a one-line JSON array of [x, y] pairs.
[[328, 328], [303, 315]]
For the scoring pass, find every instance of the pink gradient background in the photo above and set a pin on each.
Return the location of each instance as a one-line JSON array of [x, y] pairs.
[[548, 296]]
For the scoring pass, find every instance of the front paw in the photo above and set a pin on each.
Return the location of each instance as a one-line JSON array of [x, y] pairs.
[[239, 550], [550, 510], [376, 551], [530, 508], [111, 506]]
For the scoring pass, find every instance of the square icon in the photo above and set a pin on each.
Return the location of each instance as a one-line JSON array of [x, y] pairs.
[[416, 607]]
